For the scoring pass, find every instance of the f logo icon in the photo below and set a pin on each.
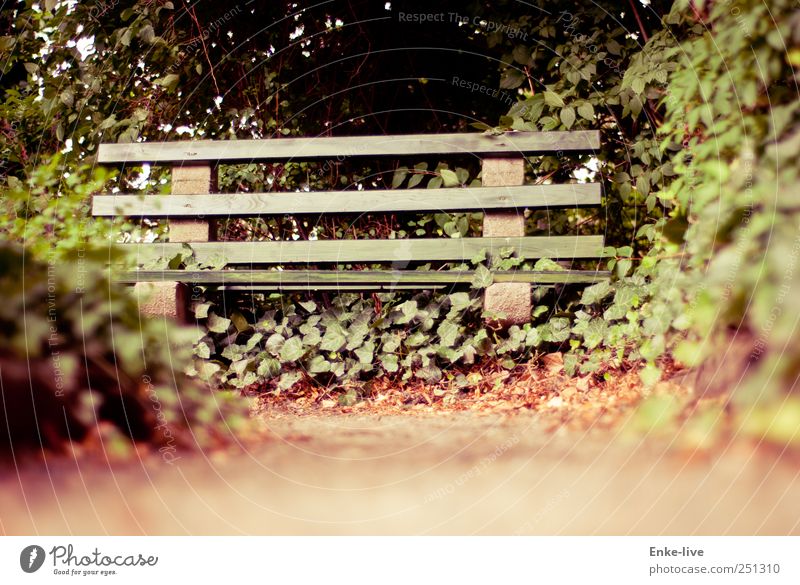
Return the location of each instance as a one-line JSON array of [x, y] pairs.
[[31, 558]]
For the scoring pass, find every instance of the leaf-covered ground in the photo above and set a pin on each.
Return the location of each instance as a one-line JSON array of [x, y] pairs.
[[577, 402]]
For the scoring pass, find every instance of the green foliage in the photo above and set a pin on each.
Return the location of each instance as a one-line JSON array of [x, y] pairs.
[[354, 337], [733, 107], [50, 211], [334, 340], [76, 357], [82, 357]]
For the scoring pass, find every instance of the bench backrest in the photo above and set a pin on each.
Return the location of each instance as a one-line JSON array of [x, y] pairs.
[[503, 197], [193, 197]]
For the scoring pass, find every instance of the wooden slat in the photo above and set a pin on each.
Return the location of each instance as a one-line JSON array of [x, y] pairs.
[[357, 251], [328, 287], [377, 201], [338, 147], [333, 279]]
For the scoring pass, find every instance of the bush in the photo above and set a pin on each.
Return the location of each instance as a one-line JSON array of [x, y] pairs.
[[75, 353]]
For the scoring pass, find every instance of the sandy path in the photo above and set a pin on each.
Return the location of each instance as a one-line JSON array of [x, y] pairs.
[[447, 474]]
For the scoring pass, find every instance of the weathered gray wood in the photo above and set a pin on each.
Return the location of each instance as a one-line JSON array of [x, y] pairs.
[[327, 287], [332, 279], [377, 201], [341, 147], [356, 251]]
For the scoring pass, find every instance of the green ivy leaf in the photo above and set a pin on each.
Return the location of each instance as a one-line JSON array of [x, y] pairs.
[[389, 362], [208, 370], [308, 305], [333, 340], [254, 340], [217, 324], [365, 353], [415, 180], [459, 301], [409, 310], [650, 375], [448, 333], [292, 350], [268, 367], [289, 379], [416, 339], [275, 343], [596, 293], [482, 277], [435, 183], [318, 365], [201, 310], [479, 257]]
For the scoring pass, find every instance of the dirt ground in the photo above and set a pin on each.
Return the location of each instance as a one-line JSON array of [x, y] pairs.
[[447, 473]]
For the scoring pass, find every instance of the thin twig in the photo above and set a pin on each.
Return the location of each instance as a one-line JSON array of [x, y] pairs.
[[639, 20], [205, 49]]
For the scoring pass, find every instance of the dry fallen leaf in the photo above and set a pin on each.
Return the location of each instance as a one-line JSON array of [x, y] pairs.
[[553, 362]]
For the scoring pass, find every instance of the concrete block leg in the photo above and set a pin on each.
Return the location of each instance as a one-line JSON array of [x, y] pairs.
[[171, 299], [512, 300]]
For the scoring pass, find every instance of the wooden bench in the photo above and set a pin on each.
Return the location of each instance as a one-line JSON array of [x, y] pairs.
[[502, 195]]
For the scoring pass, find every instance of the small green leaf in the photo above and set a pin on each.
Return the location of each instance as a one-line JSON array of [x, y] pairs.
[[553, 100], [308, 305], [268, 367], [289, 379], [448, 333], [586, 111], [416, 339], [596, 293], [435, 183], [365, 353], [482, 277], [201, 310], [415, 180], [567, 117], [389, 362], [399, 176], [449, 177], [318, 365], [275, 343], [217, 324], [253, 341], [169, 81], [650, 375], [460, 301], [292, 350], [333, 340], [479, 257]]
